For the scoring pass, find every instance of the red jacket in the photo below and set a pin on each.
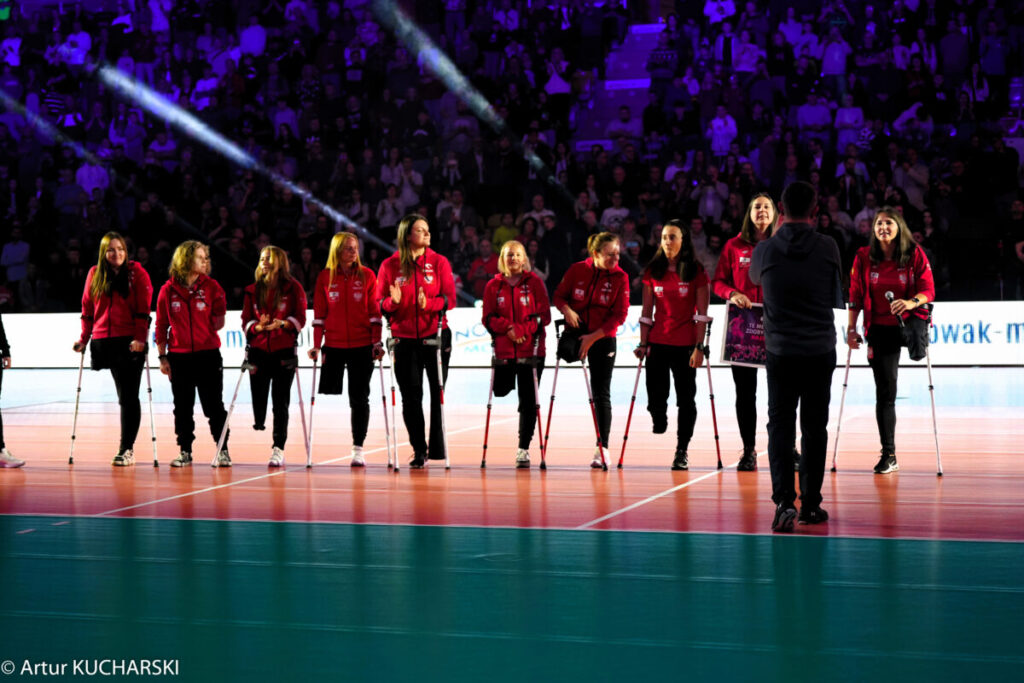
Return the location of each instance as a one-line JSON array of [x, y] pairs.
[[524, 308], [916, 278], [187, 318], [345, 309], [433, 274], [113, 315], [599, 296], [733, 271], [290, 307]]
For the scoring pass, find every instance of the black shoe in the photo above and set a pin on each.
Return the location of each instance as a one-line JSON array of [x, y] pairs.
[[887, 463], [259, 428], [785, 515], [660, 424], [796, 460], [682, 461], [748, 462], [812, 516], [417, 462]]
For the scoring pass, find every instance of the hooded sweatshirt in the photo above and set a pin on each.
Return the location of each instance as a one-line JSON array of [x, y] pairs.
[[798, 271]]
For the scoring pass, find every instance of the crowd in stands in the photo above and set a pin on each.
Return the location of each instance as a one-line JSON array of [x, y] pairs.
[[913, 104]]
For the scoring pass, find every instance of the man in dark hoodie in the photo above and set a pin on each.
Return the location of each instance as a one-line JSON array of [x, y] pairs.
[[799, 272]]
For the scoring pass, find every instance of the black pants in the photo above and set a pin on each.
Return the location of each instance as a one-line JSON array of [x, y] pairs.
[[112, 353], [273, 375], [663, 360], [412, 358], [601, 360], [745, 380], [884, 358], [806, 380], [520, 375], [202, 371], [3, 444], [359, 362]]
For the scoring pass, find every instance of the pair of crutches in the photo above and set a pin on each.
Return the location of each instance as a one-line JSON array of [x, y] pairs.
[[931, 391], [533, 360], [78, 396], [711, 392], [559, 324]]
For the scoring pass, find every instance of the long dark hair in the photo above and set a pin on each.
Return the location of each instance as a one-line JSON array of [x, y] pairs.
[[904, 242], [407, 262], [748, 232], [687, 265]]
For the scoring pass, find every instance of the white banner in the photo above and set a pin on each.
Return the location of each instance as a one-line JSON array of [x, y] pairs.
[[964, 333]]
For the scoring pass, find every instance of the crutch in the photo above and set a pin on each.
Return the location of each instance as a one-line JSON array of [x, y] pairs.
[[490, 396], [711, 390], [149, 394], [559, 324], [245, 367], [391, 366], [440, 382], [302, 416], [78, 395], [312, 402], [629, 417], [384, 404], [931, 392], [536, 393], [593, 413], [839, 425]]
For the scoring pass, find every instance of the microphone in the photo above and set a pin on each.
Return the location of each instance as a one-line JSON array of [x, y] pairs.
[[890, 298]]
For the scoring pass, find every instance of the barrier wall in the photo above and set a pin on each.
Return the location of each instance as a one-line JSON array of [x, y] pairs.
[[964, 333]]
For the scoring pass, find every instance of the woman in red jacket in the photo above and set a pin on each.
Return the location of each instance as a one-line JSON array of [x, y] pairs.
[[346, 313], [190, 310], [594, 298], [892, 264], [414, 288], [675, 290], [273, 313], [515, 311], [732, 283], [115, 316]]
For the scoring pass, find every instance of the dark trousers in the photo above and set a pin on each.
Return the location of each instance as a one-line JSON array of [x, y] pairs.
[[127, 374], [601, 361], [202, 371], [661, 361], [884, 359], [3, 444], [273, 375], [745, 380], [413, 358], [806, 380], [521, 376], [359, 362]]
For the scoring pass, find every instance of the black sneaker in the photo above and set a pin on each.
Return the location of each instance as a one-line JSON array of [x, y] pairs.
[[682, 461], [887, 463], [748, 462], [660, 423], [812, 516], [417, 462], [796, 460], [785, 515]]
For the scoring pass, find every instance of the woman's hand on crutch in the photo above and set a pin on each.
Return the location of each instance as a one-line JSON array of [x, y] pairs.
[[314, 354]]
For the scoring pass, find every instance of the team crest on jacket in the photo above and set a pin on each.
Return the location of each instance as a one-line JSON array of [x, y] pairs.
[[605, 296], [903, 278], [428, 278], [333, 295], [501, 300], [577, 293], [684, 289], [874, 276], [200, 305], [524, 299], [175, 305], [357, 294], [283, 306], [744, 261], [659, 291]]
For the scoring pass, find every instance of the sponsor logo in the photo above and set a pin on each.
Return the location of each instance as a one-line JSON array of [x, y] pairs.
[[874, 276], [501, 301], [175, 305], [283, 306], [745, 261], [659, 291], [524, 299], [903, 278], [200, 305], [333, 296], [684, 289], [428, 278], [357, 295], [577, 293]]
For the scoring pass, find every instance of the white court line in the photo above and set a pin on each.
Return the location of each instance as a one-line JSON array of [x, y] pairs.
[[266, 476]]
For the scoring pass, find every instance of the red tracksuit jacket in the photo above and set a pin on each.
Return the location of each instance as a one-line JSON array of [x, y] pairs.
[[290, 307], [433, 273], [188, 318], [869, 282], [733, 271], [599, 296], [112, 315], [345, 309], [524, 308]]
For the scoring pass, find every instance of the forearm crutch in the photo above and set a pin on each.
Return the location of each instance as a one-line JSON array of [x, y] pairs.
[[440, 384], [536, 394], [711, 389], [152, 424], [245, 367], [629, 417], [302, 416], [839, 425], [559, 324], [931, 392], [78, 395], [391, 367], [312, 402], [490, 396], [384, 405], [593, 413]]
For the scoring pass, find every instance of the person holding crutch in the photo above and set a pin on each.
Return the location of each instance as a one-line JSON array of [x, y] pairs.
[[347, 331], [415, 288], [273, 314], [515, 311], [6, 458], [594, 298], [675, 291], [190, 310], [115, 323], [891, 277]]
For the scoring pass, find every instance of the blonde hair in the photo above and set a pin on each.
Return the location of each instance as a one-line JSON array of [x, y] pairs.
[[508, 246], [337, 244], [597, 242], [103, 278], [270, 283], [404, 251], [184, 257]]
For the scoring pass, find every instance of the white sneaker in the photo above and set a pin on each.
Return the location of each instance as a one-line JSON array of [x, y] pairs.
[[124, 458], [522, 458], [223, 459], [357, 457], [598, 462], [184, 459], [276, 457], [8, 460]]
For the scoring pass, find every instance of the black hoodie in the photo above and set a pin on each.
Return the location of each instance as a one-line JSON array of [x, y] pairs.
[[799, 273]]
